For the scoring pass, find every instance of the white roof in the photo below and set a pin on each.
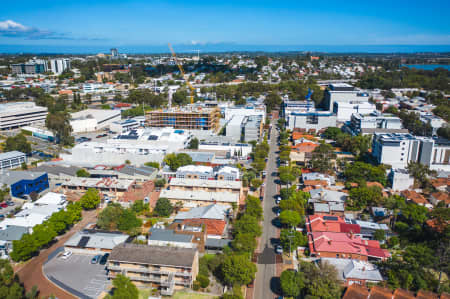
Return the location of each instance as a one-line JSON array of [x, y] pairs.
[[200, 195], [98, 183], [98, 114], [195, 168], [354, 269], [205, 183], [213, 211], [229, 170], [51, 198], [10, 155], [28, 222]]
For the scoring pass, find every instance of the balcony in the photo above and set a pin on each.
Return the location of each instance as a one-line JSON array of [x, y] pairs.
[[150, 271]]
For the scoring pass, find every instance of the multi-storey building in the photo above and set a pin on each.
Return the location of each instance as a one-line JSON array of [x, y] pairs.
[[58, 66], [311, 120], [12, 159], [344, 110], [344, 93], [20, 114], [374, 122], [185, 118], [32, 67], [398, 150], [252, 127], [163, 267]]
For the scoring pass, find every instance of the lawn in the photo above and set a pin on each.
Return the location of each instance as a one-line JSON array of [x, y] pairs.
[[186, 295]]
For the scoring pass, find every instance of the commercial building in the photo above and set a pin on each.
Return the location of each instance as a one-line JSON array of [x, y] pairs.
[[137, 146], [315, 120], [242, 111], [19, 114], [364, 124], [59, 65], [195, 172], [252, 127], [32, 67], [289, 107], [344, 110], [232, 149], [8, 235], [90, 241], [188, 118], [23, 183], [124, 126], [196, 185], [12, 159], [398, 150], [400, 179], [434, 121], [102, 184], [344, 93], [200, 198], [166, 268], [41, 133], [93, 119]]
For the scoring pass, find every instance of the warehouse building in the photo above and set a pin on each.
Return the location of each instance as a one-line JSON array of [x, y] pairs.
[[93, 119]]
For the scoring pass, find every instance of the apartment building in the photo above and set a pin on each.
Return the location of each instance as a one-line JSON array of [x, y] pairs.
[[398, 150], [252, 127], [32, 67], [248, 110], [12, 159], [315, 120], [195, 172], [206, 185], [200, 198], [20, 114], [59, 65], [163, 267], [188, 118]]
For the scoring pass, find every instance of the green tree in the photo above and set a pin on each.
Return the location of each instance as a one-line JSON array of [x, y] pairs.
[[159, 183], [247, 224], [321, 281], [332, 133], [237, 270], [421, 173], [292, 239], [290, 218], [286, 175], [256, 183], [90, 200], [10, 286], [177, 160], [193, 144], [17, 143], [291, 283], [244, 243], [203, 281], [379, 235], [128, 221], [360, 171], [123, 288], [152, 164], [59, 124], [108, 217], [363, 196], [322, 157], [163, 207], [83, 173], [253, 207]]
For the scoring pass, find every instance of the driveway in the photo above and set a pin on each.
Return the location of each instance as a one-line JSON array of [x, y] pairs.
[[77, 275], [31, 273], [266, 281]]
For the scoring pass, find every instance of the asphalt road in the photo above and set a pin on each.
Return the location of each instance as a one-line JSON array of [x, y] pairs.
[[266, 283]]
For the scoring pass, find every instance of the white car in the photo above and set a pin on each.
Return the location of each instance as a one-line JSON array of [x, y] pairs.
[[277, 200], [279, 249], [66, 255]]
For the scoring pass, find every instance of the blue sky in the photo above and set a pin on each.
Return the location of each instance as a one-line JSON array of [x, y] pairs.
[[282, 22]]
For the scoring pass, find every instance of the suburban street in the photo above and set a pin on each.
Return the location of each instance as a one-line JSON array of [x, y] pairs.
[[266, 281]]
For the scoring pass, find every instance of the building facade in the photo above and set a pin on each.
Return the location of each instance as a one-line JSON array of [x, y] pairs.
[[344, 93], [188, 119], [311, 120], [363, 124], [12, 159], [20, 114], [59, 65]]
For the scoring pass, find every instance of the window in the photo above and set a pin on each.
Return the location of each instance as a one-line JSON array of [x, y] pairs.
[[312, 119]]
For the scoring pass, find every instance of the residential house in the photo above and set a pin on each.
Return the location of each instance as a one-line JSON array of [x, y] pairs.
[[417, 198], [352, 271], [330, 223], [206, 185], [438, 197]]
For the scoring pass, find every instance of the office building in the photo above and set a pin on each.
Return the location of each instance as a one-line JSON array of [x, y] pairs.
[[93, 119], [289, 107], [59, 65], [364, 124], [400, 179], [22, 183], [32, 67], [252, 127], [344, 110], [20, 114], [12, 159], [187, 118], [163, 267], [314, 120], [344, 93], [124, 126], [241, 111], [398, 150]]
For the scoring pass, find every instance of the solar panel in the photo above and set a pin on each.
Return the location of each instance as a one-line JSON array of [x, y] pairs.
[[332, 218], [152, 137], [83, 242]]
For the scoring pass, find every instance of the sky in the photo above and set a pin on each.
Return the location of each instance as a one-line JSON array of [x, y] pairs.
[[209, 22]]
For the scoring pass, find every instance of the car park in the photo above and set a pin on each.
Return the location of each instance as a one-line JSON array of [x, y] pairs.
[[66, 255]]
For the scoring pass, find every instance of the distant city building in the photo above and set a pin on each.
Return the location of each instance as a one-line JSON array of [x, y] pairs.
[[114, 53], [311, 120], [32, 67], [19, 114], [398, 150], [58, 66]]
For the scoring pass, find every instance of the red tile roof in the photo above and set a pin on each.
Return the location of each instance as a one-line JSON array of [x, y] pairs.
[[377, 292], [403, 294], [315, 183], [304, 147], [441, 196], [356, 291], [414, 197], [213, 226], [426, 295]]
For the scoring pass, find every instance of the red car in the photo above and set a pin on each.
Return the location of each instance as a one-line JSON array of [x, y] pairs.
[[3, 205]]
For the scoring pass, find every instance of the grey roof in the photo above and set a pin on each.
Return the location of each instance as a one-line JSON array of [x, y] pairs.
[[143, 170], [203, 157], [321, 207], [217, 243], [328, 207], [57, 169], [96, 239], [12, 233], [11, 177], [10, 155], [213, 211], [154, 255], [168, 235], [354, 269], [382, 130], [319, 195]]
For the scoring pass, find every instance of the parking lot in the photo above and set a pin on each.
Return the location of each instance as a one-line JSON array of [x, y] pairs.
[[77, 275]]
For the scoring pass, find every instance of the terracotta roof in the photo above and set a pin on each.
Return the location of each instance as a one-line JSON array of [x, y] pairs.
[[403, 294], [375, 184], [377, 292], [315, 183], [426, 295], [356, 291], [304, 147], [439, 182], [414, 197], [441, 196], [298, 135], [445, 296], [213, 226]]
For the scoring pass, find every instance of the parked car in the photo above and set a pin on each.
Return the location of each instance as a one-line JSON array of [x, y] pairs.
[[96, 259], [277, 212], [3, 205], [277, 200], [2, 216], [278, 249], [66, 255], [104, 259], [10, 203]]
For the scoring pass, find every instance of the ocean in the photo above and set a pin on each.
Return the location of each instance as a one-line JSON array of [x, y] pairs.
[[427, 67]]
